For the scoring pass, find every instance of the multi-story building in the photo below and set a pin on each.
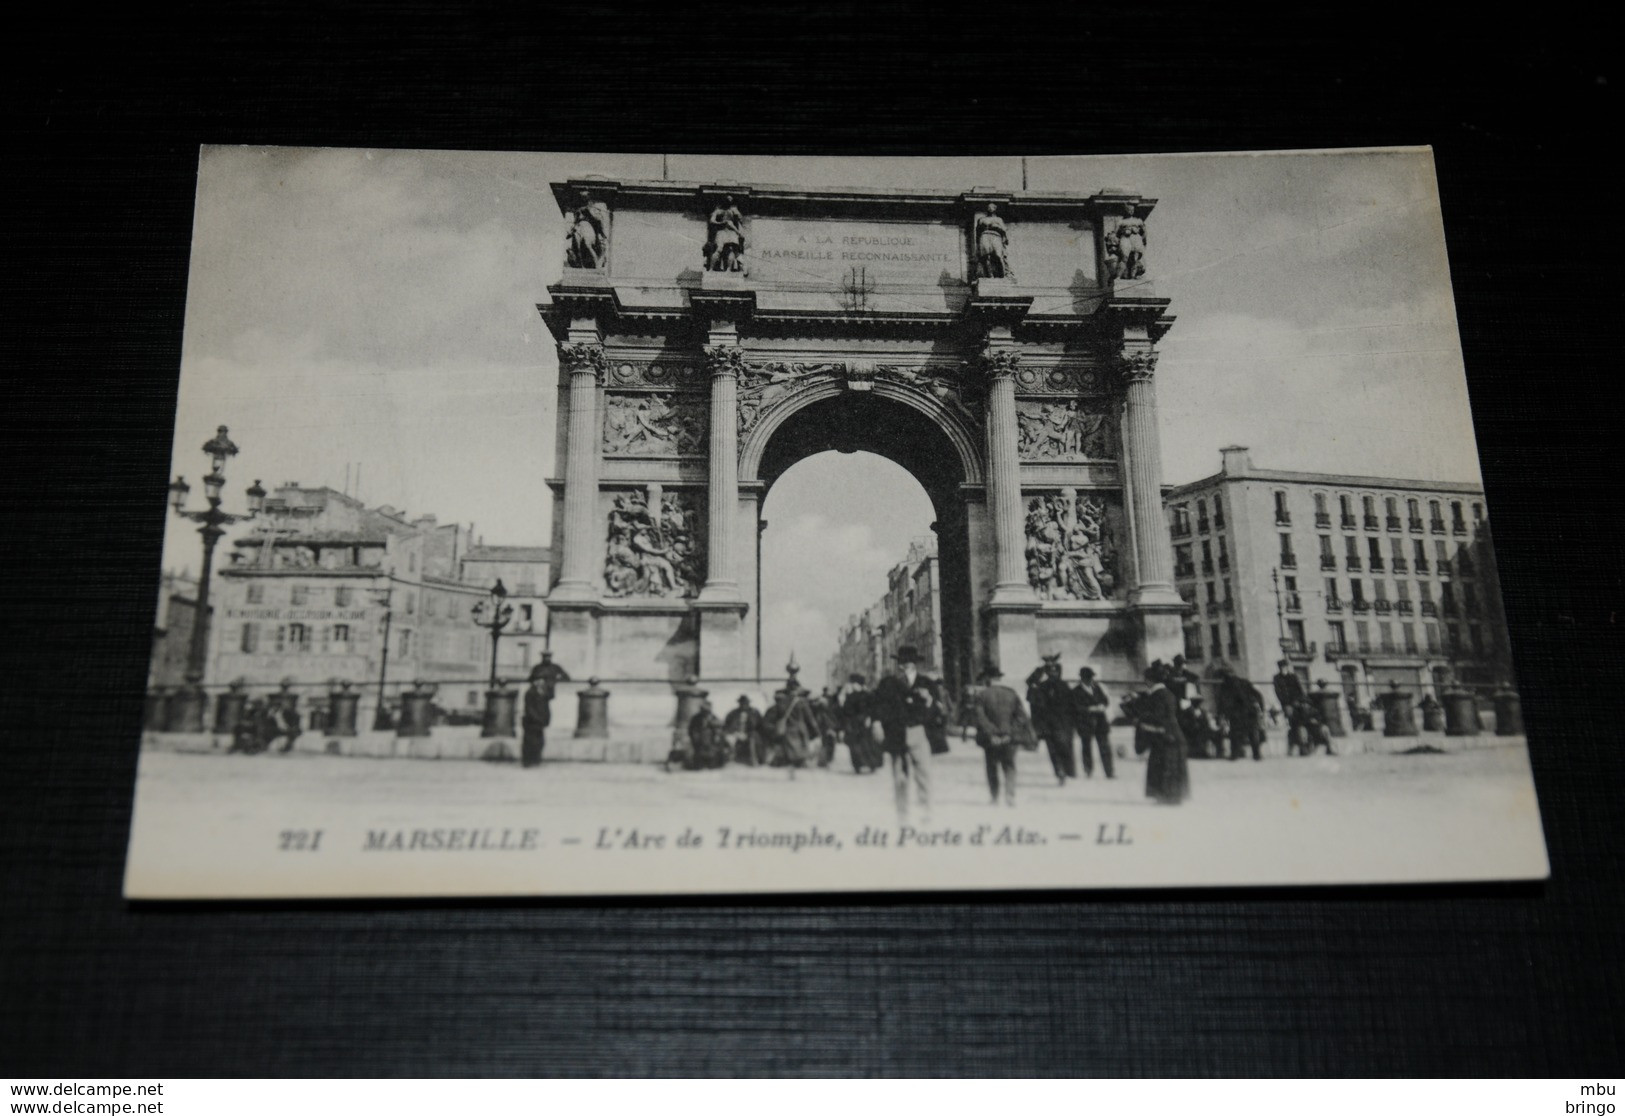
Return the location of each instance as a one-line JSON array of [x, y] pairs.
[[172, 634], [325, 589], [909, 613], [1360, 581]]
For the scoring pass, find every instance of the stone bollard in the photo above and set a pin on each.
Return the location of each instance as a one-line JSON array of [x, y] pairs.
[[689, 700], [186, 709], [1432, 715], [228, 709], [155, 714], [1398, 718], [592, 712], [499, 711], [342, 706], [1460, 716], [287, 699], [1330, 705], [1508, 712], [414, 718]]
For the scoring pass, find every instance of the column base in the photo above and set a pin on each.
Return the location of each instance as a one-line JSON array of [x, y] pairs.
[[1012, 641], [1017, 595], [720, 593], [573, 592], [1156, 594], [573, 636]]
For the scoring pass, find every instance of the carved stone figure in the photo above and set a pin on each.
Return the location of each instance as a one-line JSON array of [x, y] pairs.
[[939, 383], [1125, 249], [725, 238], [992, 245], [1070, 555], [657, 423], [1061, 431], [586, 234], [652, 555]]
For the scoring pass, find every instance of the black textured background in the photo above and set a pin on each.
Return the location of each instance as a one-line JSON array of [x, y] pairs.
[[105, 110]]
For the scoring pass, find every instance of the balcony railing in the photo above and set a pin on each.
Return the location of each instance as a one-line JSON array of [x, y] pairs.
[[1381, 608], [1323, 519], [1416, 524], [1184, 571], [1421, 565], [1371, 523], [1458, 528], [1180, 530], [1283, 519], [1207, 565], [1229, 604], [1436, 526], [1328, 561], [1354, 563], [1401, 565], [1294, 603], [1376, 564], [1201, 526], [1333, 605], [1233, 651], [1349, 523], [1213, 608], [1402, 607], [1361, 606], [1429, 608], [1335, 651], [1394, 523], [1224, 562], [1289, 561], [1294, 649]]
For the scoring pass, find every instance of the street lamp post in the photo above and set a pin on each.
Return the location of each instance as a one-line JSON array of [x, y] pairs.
[[380, 716], [493, 614], [187, 710]]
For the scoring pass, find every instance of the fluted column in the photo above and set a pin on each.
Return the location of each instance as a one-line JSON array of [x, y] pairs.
[[1004, 478], [725, 362], [581, 563], [1142, 466]]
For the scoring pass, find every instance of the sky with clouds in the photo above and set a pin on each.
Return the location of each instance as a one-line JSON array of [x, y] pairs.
[[378, 307]]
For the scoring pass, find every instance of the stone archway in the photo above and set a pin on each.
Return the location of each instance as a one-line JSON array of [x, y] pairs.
[[919, 434]]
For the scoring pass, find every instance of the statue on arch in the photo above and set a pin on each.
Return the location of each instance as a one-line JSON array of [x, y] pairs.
[[725, 238], [992, 241], [586, 234], [1125, 249]]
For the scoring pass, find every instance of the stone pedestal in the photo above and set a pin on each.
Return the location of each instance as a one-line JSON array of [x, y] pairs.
[[1460, 713], [185, 711], [342, 707], [722, 639], [414, 719], [1508, 713], [592, 711], [499, 712], [1398, 717], [1329, 704], [1013, 637], [1432, 717], [228, 711]]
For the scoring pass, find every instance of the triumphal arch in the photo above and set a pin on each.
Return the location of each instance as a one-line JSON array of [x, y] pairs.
[[1001, 347]]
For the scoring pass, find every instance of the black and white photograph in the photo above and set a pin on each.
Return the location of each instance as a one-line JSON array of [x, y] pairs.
[[570, 524]]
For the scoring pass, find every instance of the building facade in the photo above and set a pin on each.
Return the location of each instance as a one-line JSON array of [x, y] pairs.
[[172, 634], [523, 571], [1358, 581], [909, 614], [325, 589]]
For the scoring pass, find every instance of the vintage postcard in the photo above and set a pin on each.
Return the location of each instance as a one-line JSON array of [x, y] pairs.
[[633, 524]]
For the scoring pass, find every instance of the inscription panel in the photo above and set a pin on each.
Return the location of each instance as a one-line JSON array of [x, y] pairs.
[[801, 252]]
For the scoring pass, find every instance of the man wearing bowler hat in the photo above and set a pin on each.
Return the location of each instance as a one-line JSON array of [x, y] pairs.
[[1001, 721], [1051, 699], [903, 704], [544, 679]]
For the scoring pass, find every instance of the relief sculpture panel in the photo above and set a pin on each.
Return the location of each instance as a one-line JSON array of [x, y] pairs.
[[1069, 431], [1072, 552], [654, 551], [658, 424]]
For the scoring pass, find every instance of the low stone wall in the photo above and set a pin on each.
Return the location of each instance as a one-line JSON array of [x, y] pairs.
[[460, 742]]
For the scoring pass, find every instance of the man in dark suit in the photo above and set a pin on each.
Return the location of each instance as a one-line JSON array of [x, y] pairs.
[[1294, 703], [903, 703], [1090, 705], [1000, 720], [1051, 699], [1241, 707], [855, 721], [538, 713]]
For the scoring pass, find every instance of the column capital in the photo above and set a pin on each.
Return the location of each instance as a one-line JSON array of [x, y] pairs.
[[725, 360], [1137, 363], [996, 361], [576, 357]]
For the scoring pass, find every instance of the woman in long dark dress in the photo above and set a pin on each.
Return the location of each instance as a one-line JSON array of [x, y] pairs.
[[1156, 730]]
